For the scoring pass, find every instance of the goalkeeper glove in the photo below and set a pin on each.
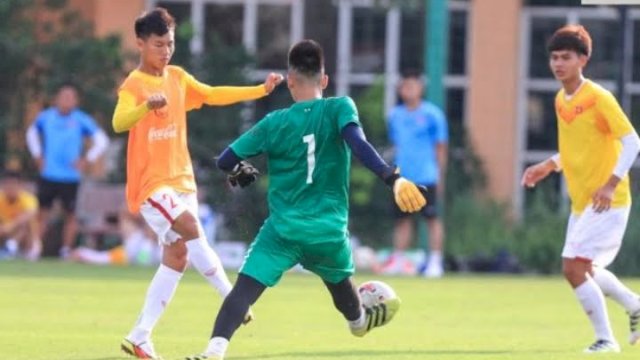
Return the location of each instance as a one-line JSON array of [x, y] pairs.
[[243, 174], [408, 196]]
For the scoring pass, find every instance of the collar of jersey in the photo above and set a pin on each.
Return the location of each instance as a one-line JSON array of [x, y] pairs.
[[585, 84], [157, 80], [306, 102]]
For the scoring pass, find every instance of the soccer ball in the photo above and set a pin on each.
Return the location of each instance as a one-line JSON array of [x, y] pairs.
[[374, 292]]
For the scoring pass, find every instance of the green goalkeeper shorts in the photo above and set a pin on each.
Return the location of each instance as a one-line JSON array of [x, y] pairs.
[[270, 256]]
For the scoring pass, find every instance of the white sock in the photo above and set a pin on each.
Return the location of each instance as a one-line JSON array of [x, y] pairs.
[[207, 262], [217, 346], [612, 287], [161, 290], [358, 323], [592, 300], [435, 258]]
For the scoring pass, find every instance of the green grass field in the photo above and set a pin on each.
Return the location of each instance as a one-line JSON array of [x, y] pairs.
[[64, 311]]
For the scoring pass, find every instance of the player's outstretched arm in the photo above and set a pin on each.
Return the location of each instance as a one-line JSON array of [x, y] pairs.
[[127, 113], [227, 95], [239, 172], [407, 195]]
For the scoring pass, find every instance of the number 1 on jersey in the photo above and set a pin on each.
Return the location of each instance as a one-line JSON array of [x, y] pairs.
[[310, 140]]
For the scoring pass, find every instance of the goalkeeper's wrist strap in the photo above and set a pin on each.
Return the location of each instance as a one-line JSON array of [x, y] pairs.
[[391, 176]]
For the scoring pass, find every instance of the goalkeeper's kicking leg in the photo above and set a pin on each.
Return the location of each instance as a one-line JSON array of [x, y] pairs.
[[245, 293], [360, 319]]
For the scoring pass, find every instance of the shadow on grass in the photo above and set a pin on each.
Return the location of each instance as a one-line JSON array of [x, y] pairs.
[[362, 354]]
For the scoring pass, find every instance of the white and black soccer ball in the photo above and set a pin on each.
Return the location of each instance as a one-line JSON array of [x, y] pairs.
[[374, 292]]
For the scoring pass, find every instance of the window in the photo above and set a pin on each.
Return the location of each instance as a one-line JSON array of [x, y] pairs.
[[552, 3], [274, 23], [321, 24], [636, 51], [368, 42], [412, 39], [542, 28], [542, 130], [634, 113], [457, 63], [223, 23], [605, 58], [455, 112], [182, 13]]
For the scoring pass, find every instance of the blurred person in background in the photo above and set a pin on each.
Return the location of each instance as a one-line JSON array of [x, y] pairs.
[[56, 141], [139, 245], [19, 235], [419, 133], [597, 146]]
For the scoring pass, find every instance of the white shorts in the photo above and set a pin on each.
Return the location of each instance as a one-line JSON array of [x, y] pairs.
[[162, 208], [596, 236]]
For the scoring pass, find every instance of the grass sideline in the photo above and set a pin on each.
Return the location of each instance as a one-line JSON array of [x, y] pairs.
[[62, 311]]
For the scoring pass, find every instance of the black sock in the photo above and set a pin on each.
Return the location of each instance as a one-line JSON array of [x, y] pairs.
[[235, 306], [345, 298]]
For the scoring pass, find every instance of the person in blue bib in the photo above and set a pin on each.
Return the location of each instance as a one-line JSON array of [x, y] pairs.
[[418, 131], [56, 141]]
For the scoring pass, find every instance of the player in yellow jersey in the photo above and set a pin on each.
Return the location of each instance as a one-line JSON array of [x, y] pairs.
[[597, 146], [152, 106], [19, 233]]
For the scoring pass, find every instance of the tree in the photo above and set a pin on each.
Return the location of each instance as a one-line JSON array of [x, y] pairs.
[[38, 56]]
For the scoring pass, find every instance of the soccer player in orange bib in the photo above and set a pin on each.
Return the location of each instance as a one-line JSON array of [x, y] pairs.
[[597, 146], [152, 106]]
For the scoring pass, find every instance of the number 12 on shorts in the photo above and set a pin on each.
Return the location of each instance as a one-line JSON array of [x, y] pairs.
[[310, 140]]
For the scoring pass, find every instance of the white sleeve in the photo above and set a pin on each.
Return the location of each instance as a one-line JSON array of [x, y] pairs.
[[33, 141], [100, 142], [630, 148], [556, 160]]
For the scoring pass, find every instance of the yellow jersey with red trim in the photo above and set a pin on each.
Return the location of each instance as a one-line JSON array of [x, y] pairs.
[[590, 124]]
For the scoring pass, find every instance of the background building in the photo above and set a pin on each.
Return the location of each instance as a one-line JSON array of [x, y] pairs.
[[498, 87]]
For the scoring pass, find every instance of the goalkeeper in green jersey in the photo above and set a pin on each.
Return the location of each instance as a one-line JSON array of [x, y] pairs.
[[308, 147]]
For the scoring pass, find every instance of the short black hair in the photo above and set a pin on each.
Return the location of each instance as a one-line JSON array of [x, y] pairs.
[[67, 84], [412, 74], [306, 58], [155, 22], [571, 37]]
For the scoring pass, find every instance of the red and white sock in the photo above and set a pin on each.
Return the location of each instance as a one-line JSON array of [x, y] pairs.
[[611, 286], [160, 292], [208, 264], [592, 301]]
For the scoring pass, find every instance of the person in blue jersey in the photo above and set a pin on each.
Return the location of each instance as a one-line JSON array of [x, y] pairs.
[[308, 148], [56, 141], [418, 131]]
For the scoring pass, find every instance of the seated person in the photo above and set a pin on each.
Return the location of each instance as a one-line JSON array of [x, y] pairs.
[[19, 235], [139, 246]]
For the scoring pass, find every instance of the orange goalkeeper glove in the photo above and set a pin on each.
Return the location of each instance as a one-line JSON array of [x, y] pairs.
[[408, 196]]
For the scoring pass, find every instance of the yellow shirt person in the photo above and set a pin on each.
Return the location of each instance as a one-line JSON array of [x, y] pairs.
[[597, 146], [18, 220], [590, 124], [11, 209]]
